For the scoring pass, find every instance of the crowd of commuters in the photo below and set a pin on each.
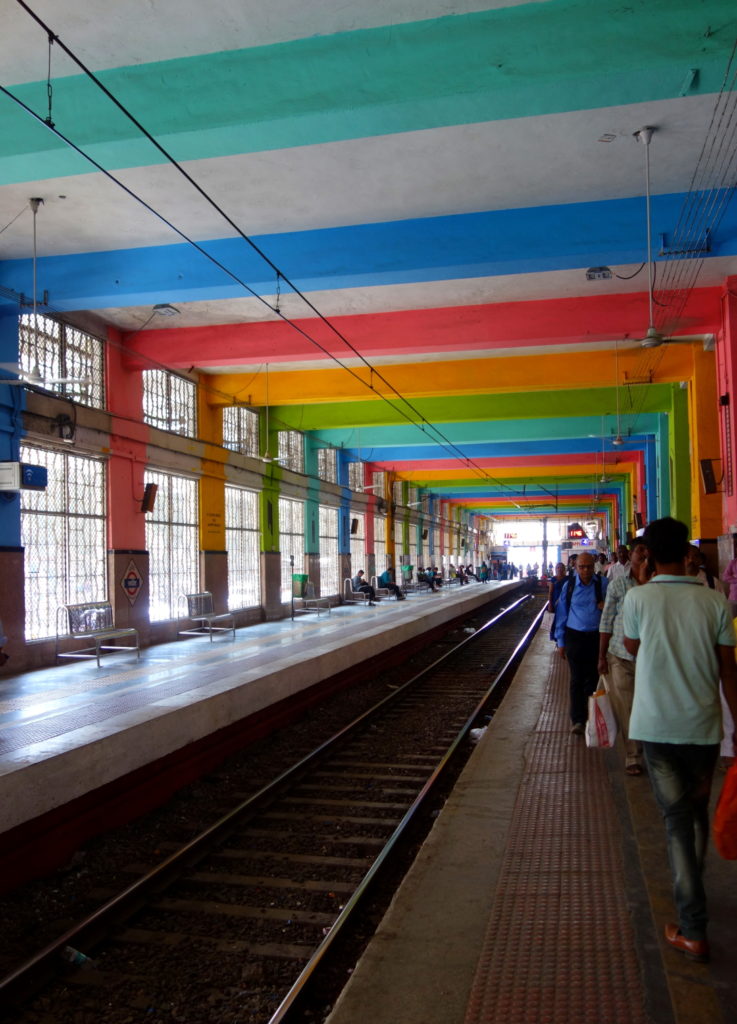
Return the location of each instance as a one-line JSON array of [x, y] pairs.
[[655, 627]]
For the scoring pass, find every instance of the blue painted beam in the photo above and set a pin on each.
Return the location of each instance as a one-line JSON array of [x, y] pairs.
[[501, 242]]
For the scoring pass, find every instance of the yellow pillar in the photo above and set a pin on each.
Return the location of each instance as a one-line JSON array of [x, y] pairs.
[[703, 414]]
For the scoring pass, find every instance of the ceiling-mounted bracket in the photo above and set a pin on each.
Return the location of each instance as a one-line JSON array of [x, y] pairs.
[[27, 303], [692, 252]]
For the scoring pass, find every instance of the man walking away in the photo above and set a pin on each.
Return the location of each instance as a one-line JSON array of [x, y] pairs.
[[682, 636], [577, 617]]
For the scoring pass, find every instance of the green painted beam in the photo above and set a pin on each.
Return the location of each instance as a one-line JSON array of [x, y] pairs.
[[571, 404], [511, 62]]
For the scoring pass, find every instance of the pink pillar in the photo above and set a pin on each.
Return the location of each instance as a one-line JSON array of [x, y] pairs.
[[726, 374], [127, 555]]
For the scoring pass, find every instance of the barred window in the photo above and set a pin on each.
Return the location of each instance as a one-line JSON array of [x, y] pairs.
[[291, 450], [240, 430], [358, 542], [397, 492], [379, 484], [63, 531], [398, 543], [380, 544], [327, 465], [436, 543], [355, 476], [170, 402], [172, 542], [291, 542], [329, 563], [242, 542], [62, 358], [412, 497]]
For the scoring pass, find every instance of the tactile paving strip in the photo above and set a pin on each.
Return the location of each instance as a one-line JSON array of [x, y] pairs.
[[560, 947]]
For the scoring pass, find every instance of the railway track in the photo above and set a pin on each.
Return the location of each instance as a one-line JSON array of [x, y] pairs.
[[235, 925]]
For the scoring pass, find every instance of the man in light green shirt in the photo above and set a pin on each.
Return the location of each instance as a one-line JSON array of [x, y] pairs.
[[682, 636]]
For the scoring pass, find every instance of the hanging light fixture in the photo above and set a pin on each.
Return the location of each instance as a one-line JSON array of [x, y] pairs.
[[653, 337]]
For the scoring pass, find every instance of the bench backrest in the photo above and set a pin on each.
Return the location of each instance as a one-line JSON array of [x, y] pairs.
[[199, 604], [90, 617]]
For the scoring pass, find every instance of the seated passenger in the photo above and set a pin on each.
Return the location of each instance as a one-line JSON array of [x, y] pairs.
[[359, 585], [386, 580]]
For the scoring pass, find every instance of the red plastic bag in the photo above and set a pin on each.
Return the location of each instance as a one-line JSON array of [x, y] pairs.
[[725, 817]]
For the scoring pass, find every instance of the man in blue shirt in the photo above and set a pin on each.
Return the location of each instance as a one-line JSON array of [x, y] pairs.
[[576, 630]]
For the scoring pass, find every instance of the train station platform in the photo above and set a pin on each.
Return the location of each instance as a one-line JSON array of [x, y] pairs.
[[541, 893], [76, 738]]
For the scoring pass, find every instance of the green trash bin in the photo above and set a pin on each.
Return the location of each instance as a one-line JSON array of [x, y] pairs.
[[299, 584]]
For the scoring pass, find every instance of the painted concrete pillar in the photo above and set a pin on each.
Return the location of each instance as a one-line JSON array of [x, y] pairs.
[[663, 473], [703, 408], [726, 377], [12, 568], [679, 453], [312, 512], [270, 554], [128, 560], [213, 553]]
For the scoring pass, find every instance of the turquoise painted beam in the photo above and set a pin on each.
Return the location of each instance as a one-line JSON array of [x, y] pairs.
[[462, 69]]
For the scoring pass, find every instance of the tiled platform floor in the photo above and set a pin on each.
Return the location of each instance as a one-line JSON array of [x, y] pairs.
[[542, 890]]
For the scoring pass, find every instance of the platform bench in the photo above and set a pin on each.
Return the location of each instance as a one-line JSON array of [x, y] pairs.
[[200, 610], [92, 623]]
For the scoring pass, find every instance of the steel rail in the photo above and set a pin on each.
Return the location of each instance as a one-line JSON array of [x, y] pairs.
[[86, 934]]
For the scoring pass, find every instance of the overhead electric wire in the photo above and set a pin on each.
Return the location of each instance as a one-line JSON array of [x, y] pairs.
[[422, 425]]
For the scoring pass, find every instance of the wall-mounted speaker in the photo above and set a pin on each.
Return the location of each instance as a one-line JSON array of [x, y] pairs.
[[638, 520], [424, 534], [354, 526], [708, 479], [149, 497]]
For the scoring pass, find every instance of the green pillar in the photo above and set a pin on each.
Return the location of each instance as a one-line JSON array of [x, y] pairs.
[[679, 452]]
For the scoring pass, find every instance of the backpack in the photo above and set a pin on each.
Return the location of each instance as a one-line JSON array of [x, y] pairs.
[[569, 590]]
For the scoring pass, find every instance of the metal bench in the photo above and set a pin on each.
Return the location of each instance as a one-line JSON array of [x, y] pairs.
[[380, 591], [351, 596], [92, 622], [309, 601], [200, 609]]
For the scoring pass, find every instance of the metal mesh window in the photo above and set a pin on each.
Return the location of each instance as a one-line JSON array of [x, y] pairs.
[[398, 544], [380, 544], [172, 542], [355, 476], [291, 542], [327, 465], [242, 543], [358, 542], [63, 531], [62, 358], [329, 565], [240, 430], [291, 450], [169, 402], [397, 492], [378, 481]]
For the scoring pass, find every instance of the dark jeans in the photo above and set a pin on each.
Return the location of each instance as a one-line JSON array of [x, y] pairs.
[[366, 588], [582, 653], [394, 589], [681, 774]]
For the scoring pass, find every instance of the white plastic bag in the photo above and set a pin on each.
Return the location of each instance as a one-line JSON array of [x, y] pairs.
[[601, 728]]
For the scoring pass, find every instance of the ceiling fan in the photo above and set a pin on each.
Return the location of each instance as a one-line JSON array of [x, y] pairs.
[[34, 377], [653, 337]]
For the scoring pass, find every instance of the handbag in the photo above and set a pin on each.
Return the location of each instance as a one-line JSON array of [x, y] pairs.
[[601, 727], [724, 826]]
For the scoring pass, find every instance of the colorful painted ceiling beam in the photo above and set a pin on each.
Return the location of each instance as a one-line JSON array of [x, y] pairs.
[[489, 244], [401, 77]]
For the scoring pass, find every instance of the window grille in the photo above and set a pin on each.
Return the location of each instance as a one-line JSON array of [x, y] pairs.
[[327, 464], [291, 542], [329, 566], [55, 351], [169, 402], [291, 451], [358, 543], [380, 544], [397, 492], [398, 543], [412, 497], [242, 542], [240, 430], [355, 476], [63, 531], [436, 543], [379, 484], [172, 542]]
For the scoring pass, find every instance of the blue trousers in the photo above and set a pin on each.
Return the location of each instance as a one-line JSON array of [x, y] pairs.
[[681, 774]]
